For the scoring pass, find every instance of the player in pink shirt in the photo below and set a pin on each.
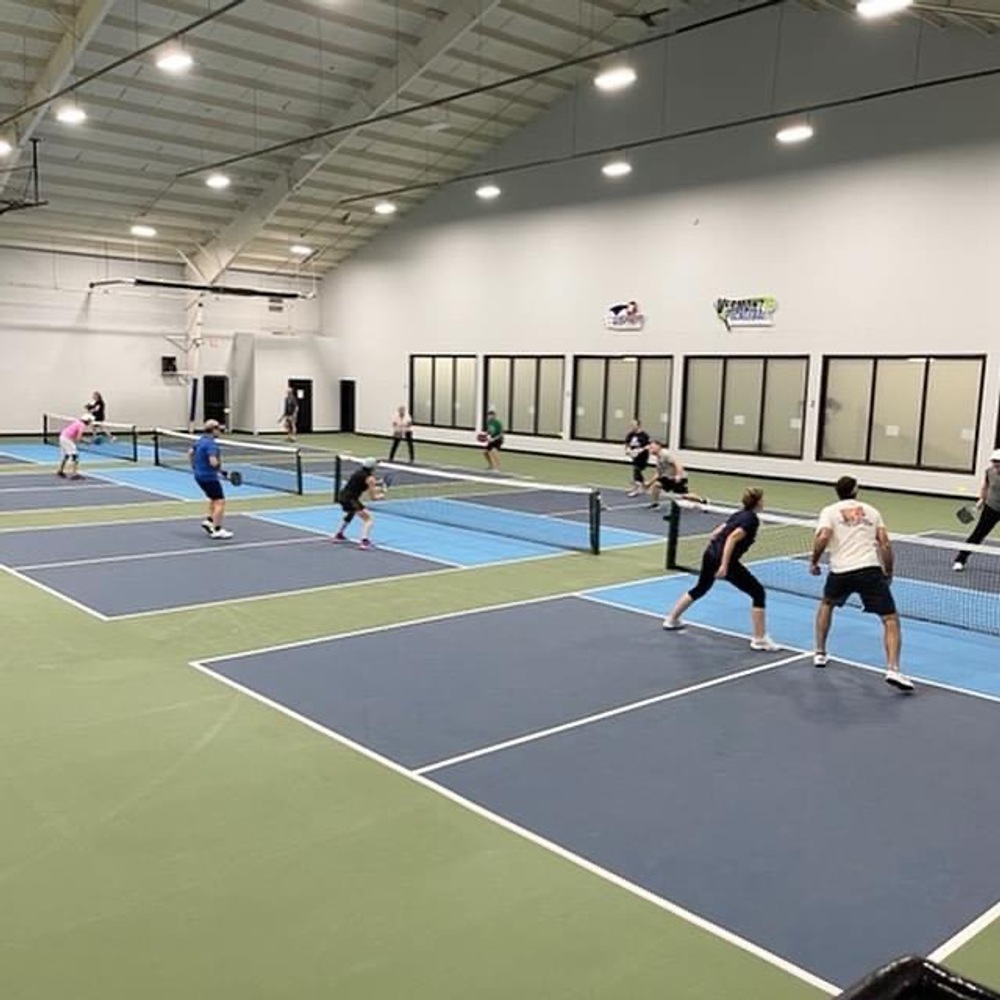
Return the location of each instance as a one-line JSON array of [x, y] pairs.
[[68, 439]]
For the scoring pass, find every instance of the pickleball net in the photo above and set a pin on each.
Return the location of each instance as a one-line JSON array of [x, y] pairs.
[[925, 585], [560, 517], [105, 439], [269, 466]]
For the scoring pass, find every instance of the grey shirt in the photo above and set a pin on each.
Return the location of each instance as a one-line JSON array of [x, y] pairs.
[[993, 487]]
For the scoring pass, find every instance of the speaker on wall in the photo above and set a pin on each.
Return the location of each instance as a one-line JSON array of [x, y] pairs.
[[168, 364]]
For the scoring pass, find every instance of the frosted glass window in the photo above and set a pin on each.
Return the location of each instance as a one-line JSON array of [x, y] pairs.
[[422, 389], [588, 399], [550, 396], [619, 407], [655, 378], [702, 402], [522, 407], [846, 407], [784, 407], [444, 382], [951, 413], [895, 425], [743, 390], [465, 393], [498, 387]]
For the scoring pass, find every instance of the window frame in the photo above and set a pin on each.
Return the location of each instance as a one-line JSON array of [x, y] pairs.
[[536, 395], [434, 359]]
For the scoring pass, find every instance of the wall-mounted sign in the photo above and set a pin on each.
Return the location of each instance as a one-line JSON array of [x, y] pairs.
[[757, 310], [624, 317]]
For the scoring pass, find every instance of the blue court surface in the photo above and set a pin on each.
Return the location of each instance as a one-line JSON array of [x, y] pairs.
[[140, 567], [44, 490], [816, 814]]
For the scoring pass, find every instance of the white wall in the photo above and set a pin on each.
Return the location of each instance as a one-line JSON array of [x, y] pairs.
[[60, 340], [880, 236]]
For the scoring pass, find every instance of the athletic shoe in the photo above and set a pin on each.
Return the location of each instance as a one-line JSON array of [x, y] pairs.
[[653, 506], [765, 645], [958, 567], [222, 533], [76, 475], [633, 493], [339, 537], [820, 659], [61, 474], [209, 525], [899, 681], [365, 543], [673, 624]]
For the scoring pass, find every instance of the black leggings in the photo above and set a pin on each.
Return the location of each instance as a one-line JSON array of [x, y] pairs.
[[988, 520], [408, 435], [640, 463], [739, 576]]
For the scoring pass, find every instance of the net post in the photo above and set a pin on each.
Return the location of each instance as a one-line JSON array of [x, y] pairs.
[[45, 428], [156, 446], [595, 522], [299, 483], [337, 471], [135, 443], [673, 520]]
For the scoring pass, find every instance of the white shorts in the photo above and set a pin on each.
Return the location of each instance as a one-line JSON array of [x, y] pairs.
[[68, 447]]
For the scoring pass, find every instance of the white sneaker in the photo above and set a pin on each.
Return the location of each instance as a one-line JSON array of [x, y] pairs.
[[222, 533], [958, 567], [633, 493], [673, 624], [820, 659], [209, 525], [899, 681], [764, 645]]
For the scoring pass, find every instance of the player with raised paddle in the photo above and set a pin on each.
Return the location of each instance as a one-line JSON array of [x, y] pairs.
[[987, 508], [206, 464], [361, 482]]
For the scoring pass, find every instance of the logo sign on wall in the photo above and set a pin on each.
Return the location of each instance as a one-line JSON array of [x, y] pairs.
[[757, 310], [624, 317]]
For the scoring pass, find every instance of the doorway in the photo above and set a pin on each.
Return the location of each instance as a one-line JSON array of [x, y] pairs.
[[303, 389], [215, 396], [347, 404]]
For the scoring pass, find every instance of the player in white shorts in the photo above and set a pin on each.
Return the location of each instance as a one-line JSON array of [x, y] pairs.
[[68, 439]]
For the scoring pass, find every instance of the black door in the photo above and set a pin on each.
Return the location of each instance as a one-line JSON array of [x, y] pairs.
[[215, 393], [303, 389], [347, 405]]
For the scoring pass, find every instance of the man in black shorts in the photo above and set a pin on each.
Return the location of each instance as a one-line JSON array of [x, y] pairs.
[[637, 449], [670, 477], [360, 482], [861, 562]]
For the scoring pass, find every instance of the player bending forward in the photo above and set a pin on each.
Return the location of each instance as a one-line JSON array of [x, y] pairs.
[[69, 438], [860, 563], [361, 481]]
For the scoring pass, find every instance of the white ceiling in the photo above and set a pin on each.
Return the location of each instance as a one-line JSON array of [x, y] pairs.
[[270, 71]]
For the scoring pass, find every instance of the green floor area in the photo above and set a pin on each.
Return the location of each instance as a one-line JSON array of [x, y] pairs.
[[164, 836]]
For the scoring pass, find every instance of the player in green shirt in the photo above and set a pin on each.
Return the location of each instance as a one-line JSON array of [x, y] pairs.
[[494, 440]]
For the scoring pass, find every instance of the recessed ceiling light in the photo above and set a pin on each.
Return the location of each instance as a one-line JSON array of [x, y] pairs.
[[881, 8], [5, 148], [488, 192], [617, 168], [799, 132], [615, 78], [385, 208], [71, 114], [300, 250], [142, 230], [174, 60], [218, 181]]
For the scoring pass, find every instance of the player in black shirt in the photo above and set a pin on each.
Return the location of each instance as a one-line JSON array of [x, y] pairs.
[[361, 481], [637, 449], [721, 561]]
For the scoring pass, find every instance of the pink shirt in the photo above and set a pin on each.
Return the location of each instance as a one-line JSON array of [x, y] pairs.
[[74, 431]]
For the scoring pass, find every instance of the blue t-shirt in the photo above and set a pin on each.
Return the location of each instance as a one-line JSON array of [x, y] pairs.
[[205, 448], [745, 519]]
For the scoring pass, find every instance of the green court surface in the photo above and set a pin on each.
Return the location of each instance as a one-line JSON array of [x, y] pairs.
[[164, 836]]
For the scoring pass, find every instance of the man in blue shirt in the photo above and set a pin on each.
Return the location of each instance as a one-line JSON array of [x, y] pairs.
[[206, 463]]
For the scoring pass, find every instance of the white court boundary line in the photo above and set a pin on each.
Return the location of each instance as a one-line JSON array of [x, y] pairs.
[[52, 487], [93, 612], [575, 859], [966, 934], [610, 713]]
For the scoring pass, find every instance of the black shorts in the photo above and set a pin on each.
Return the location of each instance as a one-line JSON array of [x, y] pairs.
[[212, 488], [673, 485], [495, 445], [351, 505], [870, 584]]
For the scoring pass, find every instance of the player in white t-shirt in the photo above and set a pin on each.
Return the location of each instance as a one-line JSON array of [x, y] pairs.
[[861, 560]]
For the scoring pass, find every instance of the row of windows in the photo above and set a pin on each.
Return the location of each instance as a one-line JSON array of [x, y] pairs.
[[914, 412]]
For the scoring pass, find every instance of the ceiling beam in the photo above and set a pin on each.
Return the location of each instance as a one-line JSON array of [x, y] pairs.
[[61, 63], [213, 258]]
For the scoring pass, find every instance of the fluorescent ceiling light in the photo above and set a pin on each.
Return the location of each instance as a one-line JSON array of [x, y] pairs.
[[218, 181], [71, 114], [799, 132], [141, 230], [488, 192], [174, 60], [881, 8], [5, 148], [615, 78], [300, 250], [617, 168], [385, 208]]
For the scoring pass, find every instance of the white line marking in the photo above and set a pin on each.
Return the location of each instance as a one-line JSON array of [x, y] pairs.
[[965, 935], [589, 866], [941, 685], [102, 485], [610, 713], [132, 556], [55, 593]]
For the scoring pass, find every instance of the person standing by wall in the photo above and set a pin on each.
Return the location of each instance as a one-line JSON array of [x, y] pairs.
[[637, 449], [989, 509], [290, 414], [402, 430]]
